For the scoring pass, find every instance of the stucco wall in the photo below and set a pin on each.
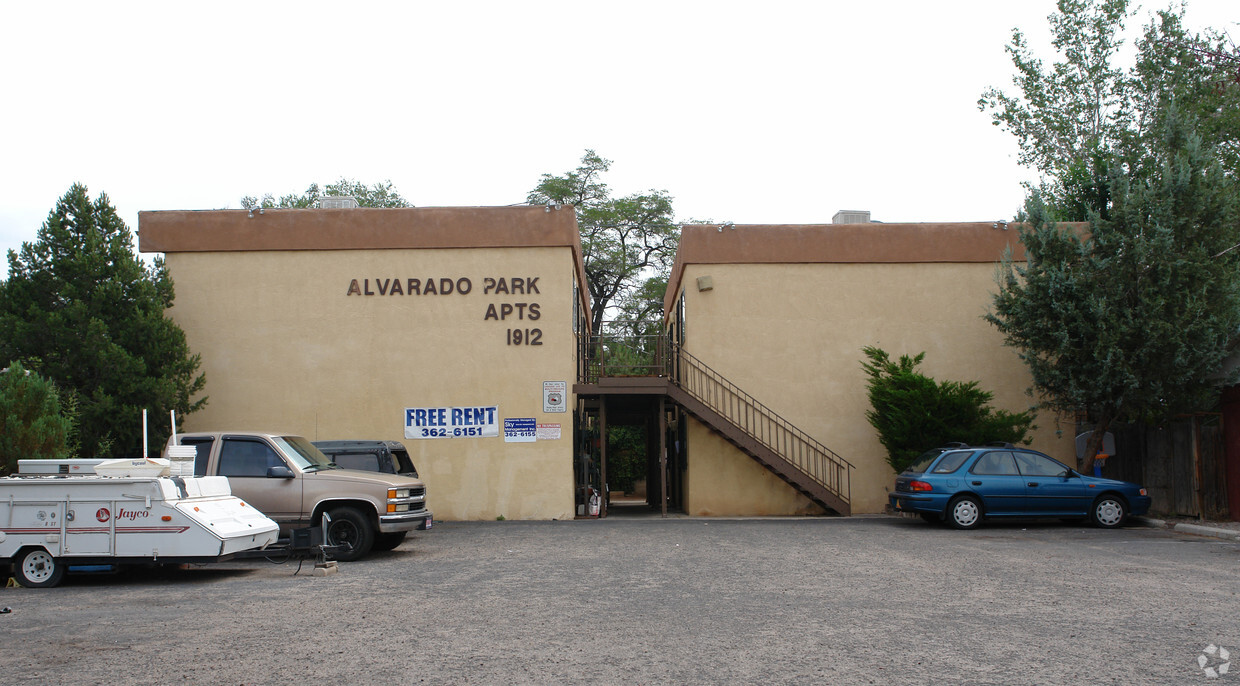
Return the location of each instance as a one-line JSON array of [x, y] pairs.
[[791, 335], [286, 347], [721, 480]]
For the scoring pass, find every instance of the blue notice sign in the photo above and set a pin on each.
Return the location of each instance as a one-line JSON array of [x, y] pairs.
[[520, 430]]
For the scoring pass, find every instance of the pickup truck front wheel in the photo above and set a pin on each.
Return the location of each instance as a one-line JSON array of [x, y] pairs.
[[390, 541], [352, 530]]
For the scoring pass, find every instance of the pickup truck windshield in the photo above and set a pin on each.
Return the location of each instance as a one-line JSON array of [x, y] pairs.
[[306, 456]]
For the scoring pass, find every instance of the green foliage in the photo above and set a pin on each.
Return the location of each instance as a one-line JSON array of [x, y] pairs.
[[1196, 76], [623, 240], [1072, 110], [34, 424], [84, 311], [626, 457], [1134, 318], [378, 195], [1085, 116], [912, 413]]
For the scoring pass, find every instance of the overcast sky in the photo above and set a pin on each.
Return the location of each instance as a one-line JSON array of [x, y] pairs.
[[758, 112]]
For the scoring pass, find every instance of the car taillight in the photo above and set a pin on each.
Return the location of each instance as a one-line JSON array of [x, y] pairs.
[[920, 486], [1143, 492]]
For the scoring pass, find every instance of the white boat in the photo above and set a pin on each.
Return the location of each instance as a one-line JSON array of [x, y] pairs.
[[49, 523]]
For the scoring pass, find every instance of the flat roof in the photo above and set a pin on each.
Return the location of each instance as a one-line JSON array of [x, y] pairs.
[[872, 243], [359, 228]]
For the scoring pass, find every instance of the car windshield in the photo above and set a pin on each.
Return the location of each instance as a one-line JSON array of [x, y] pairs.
[[307, 457]]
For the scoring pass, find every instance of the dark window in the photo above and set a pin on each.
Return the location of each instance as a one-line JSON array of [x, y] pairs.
[[366, 462], [680, 319], [1038, 465], [996, 463], [203, 445], [404, 465], [246, 457]]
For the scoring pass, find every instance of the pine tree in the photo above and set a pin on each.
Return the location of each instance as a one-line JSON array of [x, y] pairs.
[[33, 423], [1135, 317], [83, 310]]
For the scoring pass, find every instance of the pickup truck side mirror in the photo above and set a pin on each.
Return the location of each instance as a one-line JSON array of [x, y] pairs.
[[279, 473]]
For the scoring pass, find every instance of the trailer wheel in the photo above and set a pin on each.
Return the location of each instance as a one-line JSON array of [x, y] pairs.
[[36, 568], [351, 529]]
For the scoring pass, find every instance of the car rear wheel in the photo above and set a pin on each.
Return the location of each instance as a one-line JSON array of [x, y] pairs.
[[36, 568], [1109, 511], [964, 512], [352, 530]]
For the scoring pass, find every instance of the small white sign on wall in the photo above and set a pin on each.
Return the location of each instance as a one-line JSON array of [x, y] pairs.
[[548, 432], [555, 396], [520, 430]]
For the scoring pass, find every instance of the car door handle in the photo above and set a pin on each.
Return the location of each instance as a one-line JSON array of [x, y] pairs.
[[977, 483], [1033, 484]]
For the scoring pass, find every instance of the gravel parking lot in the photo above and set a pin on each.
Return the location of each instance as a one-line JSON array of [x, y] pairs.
[[863, 600]]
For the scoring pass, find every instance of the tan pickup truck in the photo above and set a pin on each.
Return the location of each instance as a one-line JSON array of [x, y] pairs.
[[295, 484]]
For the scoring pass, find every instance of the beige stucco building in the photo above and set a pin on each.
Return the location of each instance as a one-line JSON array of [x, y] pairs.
[[784, 312], [332, 323], [401, 324]]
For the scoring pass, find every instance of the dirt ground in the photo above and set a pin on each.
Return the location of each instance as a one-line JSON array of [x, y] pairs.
[[862, 600]]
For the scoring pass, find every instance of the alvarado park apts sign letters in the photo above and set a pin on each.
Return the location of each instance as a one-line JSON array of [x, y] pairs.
[[499, 309]]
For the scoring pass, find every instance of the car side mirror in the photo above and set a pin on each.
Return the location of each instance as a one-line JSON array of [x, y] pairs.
[[1068, 474], [279, 473]]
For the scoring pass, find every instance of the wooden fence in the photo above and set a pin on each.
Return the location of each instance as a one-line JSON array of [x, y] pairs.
[[1181, 465]]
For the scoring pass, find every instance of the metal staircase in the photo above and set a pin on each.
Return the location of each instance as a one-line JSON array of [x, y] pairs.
[[652, 365]]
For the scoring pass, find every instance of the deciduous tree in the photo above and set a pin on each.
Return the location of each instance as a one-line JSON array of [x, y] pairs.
[[377, 195], [1086, 115], [625, 241]]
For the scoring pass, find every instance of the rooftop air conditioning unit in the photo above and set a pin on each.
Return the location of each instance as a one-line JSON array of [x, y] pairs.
[[337, 202], [851, 217]]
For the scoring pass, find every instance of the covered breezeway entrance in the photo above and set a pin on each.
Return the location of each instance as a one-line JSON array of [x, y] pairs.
[[633, 454], [650, 383]]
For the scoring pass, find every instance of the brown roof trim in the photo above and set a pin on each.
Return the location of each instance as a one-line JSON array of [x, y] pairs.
[[364, 228], [872, 243]]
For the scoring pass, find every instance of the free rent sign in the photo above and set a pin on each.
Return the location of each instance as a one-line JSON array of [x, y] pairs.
[[452, 422]]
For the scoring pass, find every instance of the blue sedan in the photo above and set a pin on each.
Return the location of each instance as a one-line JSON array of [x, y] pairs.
[[963, 485]]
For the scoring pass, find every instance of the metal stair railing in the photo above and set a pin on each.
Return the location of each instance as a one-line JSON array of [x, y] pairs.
[[812, 458], [623, 354]]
